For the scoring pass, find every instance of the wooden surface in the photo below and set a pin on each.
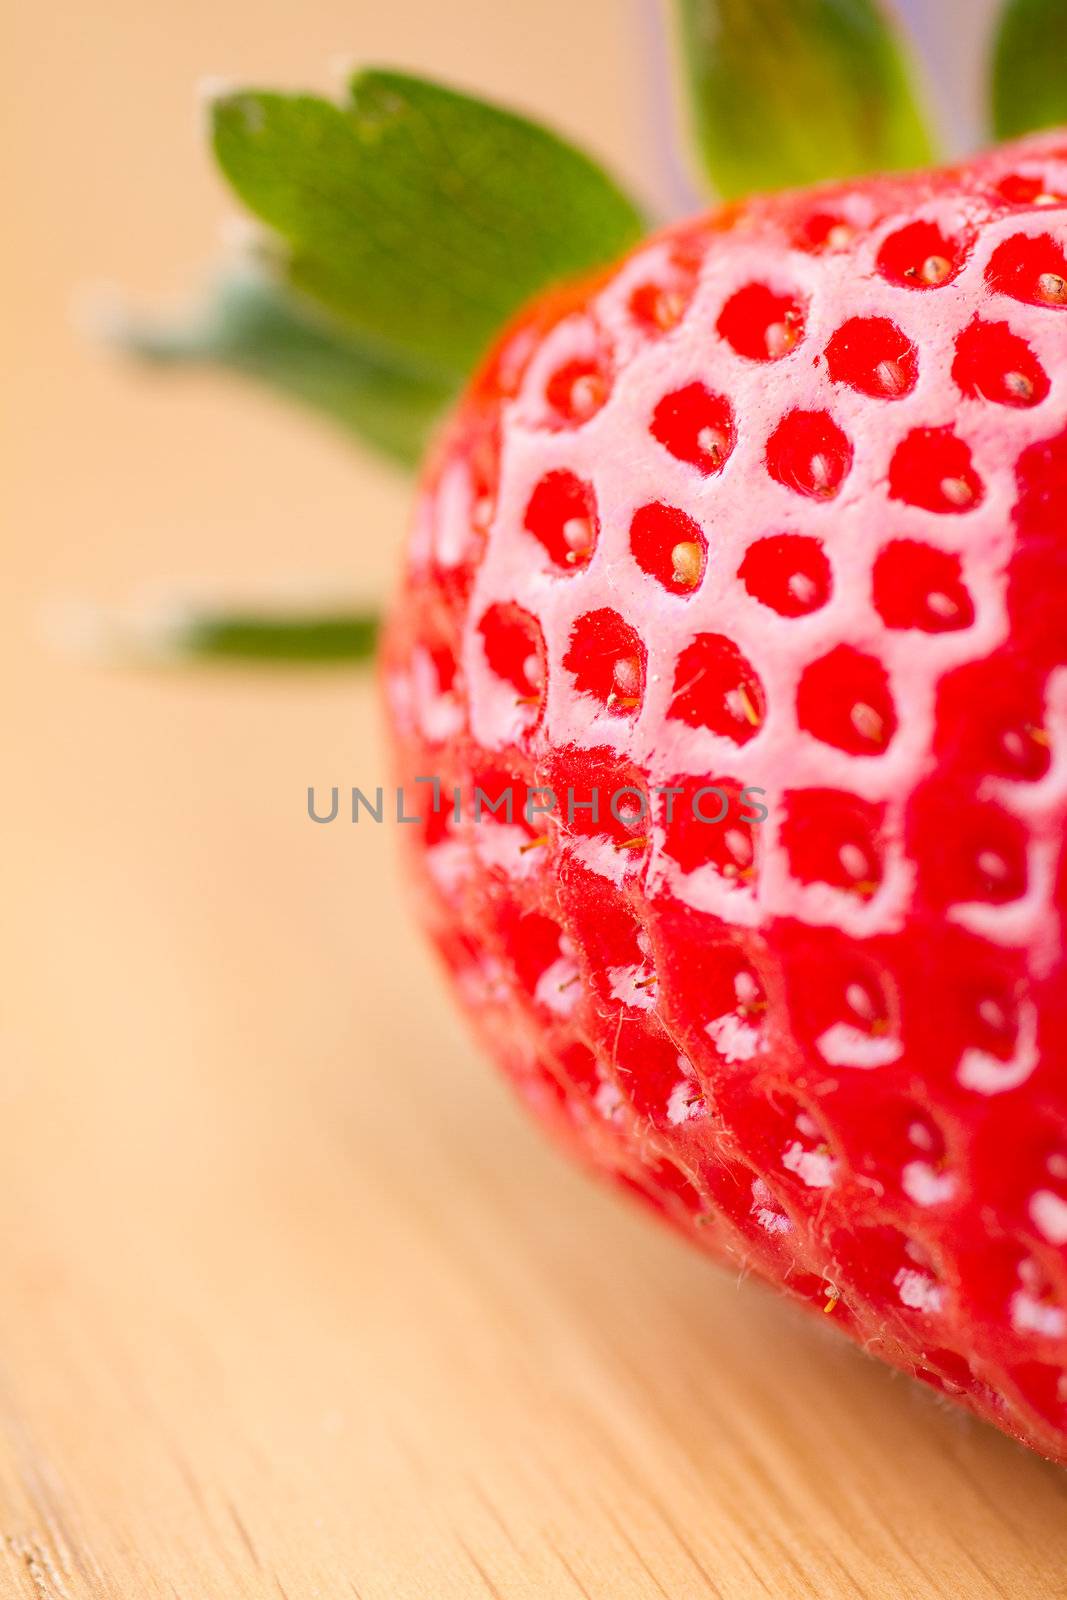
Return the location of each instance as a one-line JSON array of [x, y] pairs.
[[294, 1302]]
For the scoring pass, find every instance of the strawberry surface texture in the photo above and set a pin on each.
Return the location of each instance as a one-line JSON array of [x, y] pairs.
[[758, 544]]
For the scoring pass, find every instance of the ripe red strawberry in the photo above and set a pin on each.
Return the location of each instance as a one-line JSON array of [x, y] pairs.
[[781, 504]]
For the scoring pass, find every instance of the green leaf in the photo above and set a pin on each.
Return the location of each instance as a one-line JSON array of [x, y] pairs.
[[249, 324], [1030, 67], [180, 631], [328, 639], [423, 217], [791, 92]]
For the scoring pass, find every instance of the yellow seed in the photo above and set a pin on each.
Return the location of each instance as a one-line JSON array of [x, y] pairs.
[[668, 308], [747, 706], [632, 844], [942, 605], [1019, 385], [739, 844], [890, 375], [482, 513], [854, 860], [781, 337], [992, 866], [1053, 288], [858, 867], [687, 563], [533, 844], [934, 270], [839, 235], [867, 723], [578, 535], [587, 394], [712, 443], [822, 474], [802, 588], [627, 674], [746, 989], [993, 1014], [957, 490], [859, 1000]]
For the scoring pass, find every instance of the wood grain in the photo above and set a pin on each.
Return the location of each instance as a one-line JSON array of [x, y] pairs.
[[294, 1302]]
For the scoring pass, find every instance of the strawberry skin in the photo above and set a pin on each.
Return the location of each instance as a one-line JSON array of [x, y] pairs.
[[780, 505]]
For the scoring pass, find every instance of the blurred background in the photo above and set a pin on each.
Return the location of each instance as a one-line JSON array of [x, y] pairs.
[[291, 1291]]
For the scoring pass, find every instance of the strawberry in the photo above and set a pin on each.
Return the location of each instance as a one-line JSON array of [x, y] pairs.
[[729, 662], [762, 536]]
